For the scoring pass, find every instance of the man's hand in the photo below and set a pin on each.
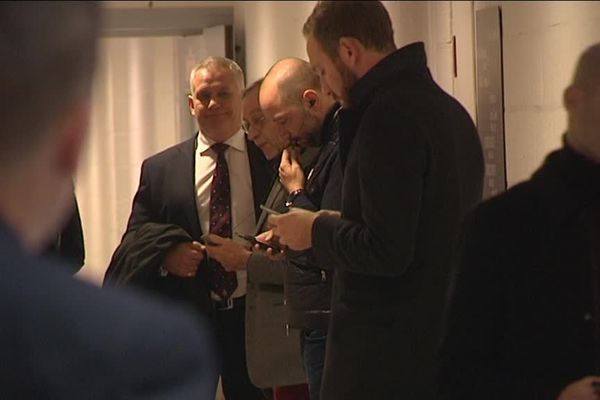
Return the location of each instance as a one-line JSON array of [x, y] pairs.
[[294, 228], [183, 259], [232, 255], [269, 237], [330, 213], [291, 175], [582, 389]]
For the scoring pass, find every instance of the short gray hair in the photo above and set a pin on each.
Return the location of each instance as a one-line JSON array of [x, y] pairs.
[[220, 62], [48, 54]]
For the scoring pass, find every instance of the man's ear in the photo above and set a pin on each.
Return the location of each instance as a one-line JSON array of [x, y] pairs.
[[349, 51], [191, 104], [72, 131], [310, 99], [572, 98]]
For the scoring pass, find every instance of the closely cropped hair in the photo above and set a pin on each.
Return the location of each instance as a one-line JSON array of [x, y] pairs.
[[299, 78], [220, 62], [254, 85], [366, 21], [47, 52]]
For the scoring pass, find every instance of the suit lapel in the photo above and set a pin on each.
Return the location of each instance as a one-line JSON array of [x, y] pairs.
[[188, 170], [274, 201], [260, 173]]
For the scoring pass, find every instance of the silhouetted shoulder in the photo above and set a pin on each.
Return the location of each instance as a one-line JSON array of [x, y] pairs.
[[61, 334]]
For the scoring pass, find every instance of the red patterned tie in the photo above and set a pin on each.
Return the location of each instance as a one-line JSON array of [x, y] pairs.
[[222, 283]]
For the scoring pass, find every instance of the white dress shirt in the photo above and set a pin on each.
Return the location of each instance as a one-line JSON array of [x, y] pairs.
[[243, 219]]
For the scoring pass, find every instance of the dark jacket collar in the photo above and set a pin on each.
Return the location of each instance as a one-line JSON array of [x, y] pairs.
[[274, 164], [329, 129], [579, 174], [410, 57]]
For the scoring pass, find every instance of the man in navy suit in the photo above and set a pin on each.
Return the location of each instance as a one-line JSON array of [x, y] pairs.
[[62, 338], [180, 199]]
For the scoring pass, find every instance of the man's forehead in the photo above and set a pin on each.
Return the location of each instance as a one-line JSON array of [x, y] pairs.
[[253, 113], [275, 108], [213, 75], [280, 111], [269, 95]]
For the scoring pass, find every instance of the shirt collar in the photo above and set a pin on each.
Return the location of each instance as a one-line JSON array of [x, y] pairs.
[[237, 142]]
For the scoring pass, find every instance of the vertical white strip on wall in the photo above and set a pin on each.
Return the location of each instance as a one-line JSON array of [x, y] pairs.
[[462, 29], [440, 54], [273, 30], [192, 50]]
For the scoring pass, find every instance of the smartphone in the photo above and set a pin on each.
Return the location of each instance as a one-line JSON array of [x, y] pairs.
[[254, 241], [269, 210]]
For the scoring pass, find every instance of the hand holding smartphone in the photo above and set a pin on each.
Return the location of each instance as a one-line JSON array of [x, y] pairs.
[[255, 242]]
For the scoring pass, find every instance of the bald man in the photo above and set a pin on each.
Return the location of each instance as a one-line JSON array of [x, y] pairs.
[[291, 97], [524, 313]]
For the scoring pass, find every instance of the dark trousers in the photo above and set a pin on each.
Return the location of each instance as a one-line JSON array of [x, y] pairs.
[[234, 372], [313, 355]]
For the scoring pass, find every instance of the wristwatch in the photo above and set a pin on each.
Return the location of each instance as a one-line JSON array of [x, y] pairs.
[[292, 196]]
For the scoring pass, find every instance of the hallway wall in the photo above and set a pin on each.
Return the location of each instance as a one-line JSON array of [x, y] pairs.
[[272, 30], [542, 41]]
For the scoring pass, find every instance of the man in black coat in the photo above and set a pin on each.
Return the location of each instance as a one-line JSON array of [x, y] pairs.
[[525, 305], [181, 186], [62, 338], [412, 167]]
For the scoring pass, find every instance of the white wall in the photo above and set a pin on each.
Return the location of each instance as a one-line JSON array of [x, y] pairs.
[[542, 41], [273, 30], [129, 122]]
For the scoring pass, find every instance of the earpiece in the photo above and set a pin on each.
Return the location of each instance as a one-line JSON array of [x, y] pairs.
[[311, 103]]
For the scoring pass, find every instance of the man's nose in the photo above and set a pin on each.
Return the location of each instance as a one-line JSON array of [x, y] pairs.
[[213, 103]]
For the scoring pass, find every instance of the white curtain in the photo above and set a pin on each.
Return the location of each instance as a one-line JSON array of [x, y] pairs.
[[139, 108]]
